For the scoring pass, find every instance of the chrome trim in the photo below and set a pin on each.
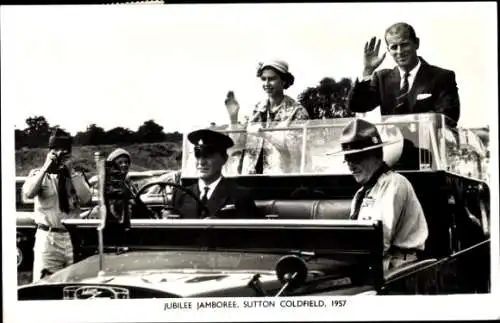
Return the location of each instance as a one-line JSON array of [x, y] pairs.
[[94, 291], [232, 223]]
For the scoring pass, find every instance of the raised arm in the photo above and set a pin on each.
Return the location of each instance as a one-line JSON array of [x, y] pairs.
[[33, 183], [233, 109], [364, 95]]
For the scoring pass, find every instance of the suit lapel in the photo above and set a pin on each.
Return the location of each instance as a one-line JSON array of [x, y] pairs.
[[419, 84], [195, 189], [189, 206], [219, 197], [393, 87]]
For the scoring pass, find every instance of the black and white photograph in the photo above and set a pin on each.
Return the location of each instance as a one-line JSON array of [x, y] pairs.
[[225, 162]]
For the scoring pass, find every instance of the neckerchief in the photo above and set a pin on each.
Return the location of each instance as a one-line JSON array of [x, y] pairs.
[[62, 190]]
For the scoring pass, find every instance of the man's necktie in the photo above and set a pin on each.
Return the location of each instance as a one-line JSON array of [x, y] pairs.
[[204, 197], [402, 100], [204, 201]]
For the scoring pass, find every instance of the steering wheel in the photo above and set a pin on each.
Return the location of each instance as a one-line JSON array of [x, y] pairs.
[[167, 206]]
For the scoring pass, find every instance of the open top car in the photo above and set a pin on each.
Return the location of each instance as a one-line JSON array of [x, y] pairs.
[[302, 241]]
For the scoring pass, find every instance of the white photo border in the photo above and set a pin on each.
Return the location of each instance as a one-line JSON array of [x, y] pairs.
[[450, 307]]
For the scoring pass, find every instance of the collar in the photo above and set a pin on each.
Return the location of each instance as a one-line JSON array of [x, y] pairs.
[[376, 175], [413, 71], [201, 184]]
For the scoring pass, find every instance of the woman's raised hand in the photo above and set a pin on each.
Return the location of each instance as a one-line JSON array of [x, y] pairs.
[[232, 106]]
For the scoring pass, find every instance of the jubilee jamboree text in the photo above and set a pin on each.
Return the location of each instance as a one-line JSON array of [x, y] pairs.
[[285, 303]]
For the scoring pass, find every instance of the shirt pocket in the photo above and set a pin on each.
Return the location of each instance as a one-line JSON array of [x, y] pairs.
[[367, 209]]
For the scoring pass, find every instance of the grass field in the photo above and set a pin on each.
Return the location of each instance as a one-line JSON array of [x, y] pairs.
[[150, 156]]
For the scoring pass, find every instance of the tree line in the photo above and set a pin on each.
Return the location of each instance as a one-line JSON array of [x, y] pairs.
[[38, 130], [328, 99]]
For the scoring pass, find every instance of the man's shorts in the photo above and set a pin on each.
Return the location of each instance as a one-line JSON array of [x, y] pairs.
[[52, 251]]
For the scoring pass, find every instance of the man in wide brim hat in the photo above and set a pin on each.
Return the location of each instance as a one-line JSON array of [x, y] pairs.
[[216, 193], [385, 195], [360, 136], [367, 137]]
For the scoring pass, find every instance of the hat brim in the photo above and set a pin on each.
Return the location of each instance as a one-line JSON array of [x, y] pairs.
[[223, 142], [354, 151]]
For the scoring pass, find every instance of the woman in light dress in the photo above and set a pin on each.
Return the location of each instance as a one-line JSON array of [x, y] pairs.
[[268, 152]]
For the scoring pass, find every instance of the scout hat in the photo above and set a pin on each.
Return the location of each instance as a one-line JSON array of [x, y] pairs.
[[207, 141], [281, 67], [359, 136]]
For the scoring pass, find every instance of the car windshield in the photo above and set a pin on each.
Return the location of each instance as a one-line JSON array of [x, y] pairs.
[[302, 146]]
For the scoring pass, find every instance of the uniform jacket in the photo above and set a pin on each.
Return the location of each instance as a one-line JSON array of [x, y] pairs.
[[226, 195]]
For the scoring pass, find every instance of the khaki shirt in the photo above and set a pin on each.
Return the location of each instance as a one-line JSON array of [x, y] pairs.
[[47, 201], [393, 200]]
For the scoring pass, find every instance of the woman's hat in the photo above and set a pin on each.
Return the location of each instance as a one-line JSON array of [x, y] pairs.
[[280, 66], [359, 136], [117, 153]]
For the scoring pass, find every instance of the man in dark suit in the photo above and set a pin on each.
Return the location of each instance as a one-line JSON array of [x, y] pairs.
[[222, 198], [413, 86]]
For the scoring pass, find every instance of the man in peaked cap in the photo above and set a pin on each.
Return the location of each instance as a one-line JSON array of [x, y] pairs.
[[384, 195], [58, 191], [214, 191]]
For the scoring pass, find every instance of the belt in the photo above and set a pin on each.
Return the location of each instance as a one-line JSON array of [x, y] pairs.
[[50, 229]]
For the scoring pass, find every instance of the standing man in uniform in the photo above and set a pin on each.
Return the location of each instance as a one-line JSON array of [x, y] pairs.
[[384, 195], [413, 86], [214, 191], [58, 191]]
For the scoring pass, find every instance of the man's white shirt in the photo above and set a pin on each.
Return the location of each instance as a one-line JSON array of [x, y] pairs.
[[411, 77], [202, 185]]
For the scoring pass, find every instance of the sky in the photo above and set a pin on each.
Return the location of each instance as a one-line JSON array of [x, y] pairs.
[[123, 65]]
